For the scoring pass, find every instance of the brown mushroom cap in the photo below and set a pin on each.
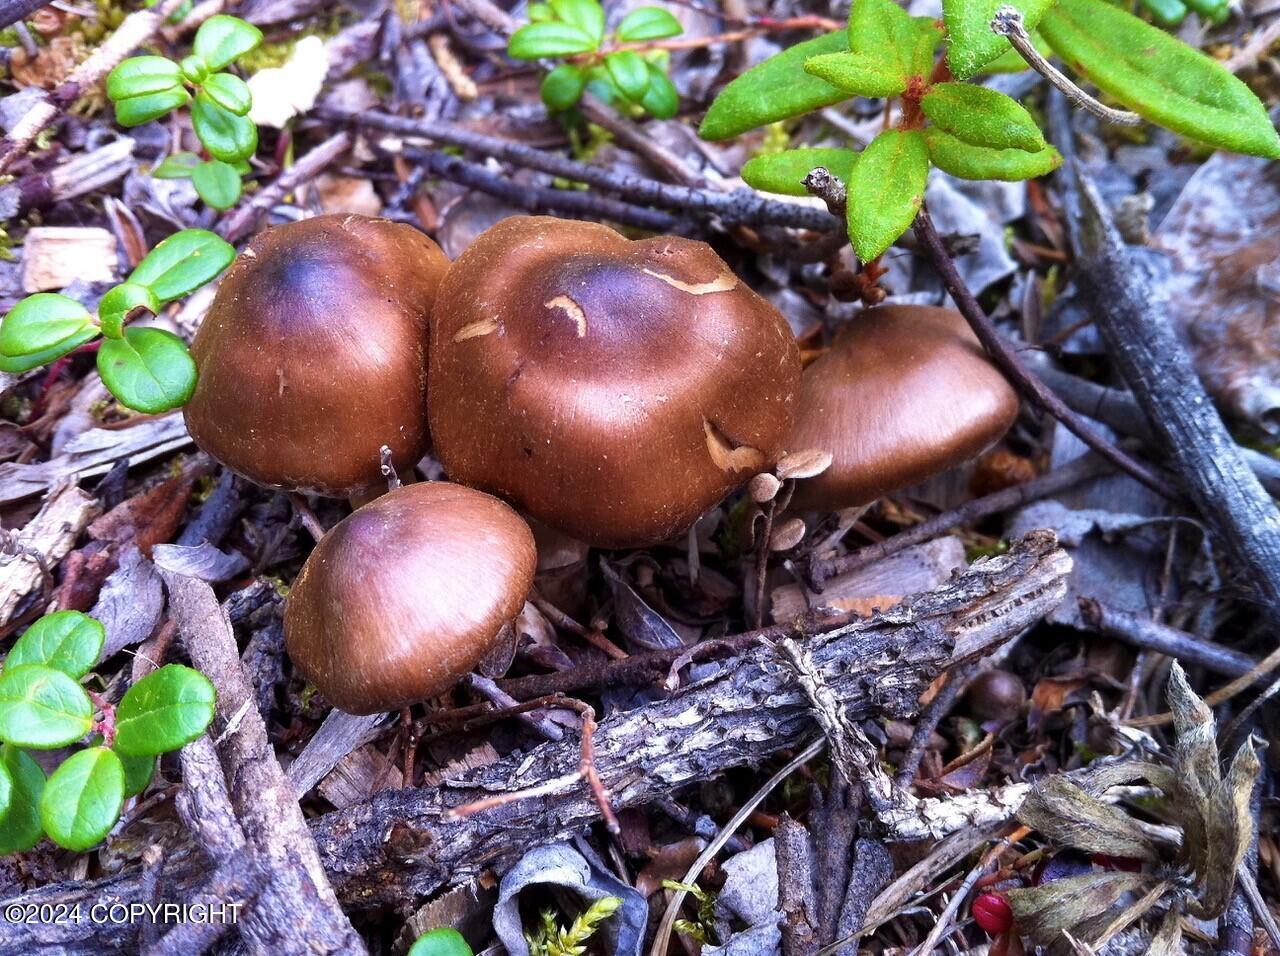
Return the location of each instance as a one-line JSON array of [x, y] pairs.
[[905, 392], [403, 597], [313, 354], [613, 389]]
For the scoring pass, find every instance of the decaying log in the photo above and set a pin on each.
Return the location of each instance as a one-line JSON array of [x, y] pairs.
[[401, 844]]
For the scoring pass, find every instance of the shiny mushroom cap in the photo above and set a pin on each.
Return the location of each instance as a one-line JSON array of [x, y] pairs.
[[404, 596], [904, 393], [313, 355], [613, 389]]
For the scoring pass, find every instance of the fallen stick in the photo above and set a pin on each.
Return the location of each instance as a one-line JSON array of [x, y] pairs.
[[296, 912], [398, 845]]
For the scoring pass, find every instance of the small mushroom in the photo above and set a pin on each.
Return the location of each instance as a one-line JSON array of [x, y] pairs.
[[313, 355], [404, 596], [904, 393], [613, 389]]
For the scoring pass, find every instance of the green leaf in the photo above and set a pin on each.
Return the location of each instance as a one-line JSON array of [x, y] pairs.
[[586, 15], [978, 162], [783, 172], [82, 799], [124, 302], [140, 75], [40, 322], [660, 99], [183, 262], [225, 135], [230, 92], [855, 73], [20, 829], [24, 363], [441, 942], [194, 70], [648, 23], [1167, 13], [885, 190], [137, 110], [176, 166], [549, 39], [149, 370], [540, 12], [1215, 11], [1159, 77], [217, 183], [630, 72], [971, 42], [890, 41], [222, 39], [562, 87], [166, 709], [66, 641], [1011, 61], [776, 89], [982, 116], [138, 772], [42, 708], [6, 790]]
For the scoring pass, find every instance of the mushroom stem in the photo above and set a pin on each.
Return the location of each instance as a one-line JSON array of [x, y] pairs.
[[762, 562]]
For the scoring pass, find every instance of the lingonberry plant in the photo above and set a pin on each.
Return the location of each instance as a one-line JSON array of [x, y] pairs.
[[967, 130], [147, 369], [441, 942], [145, 88], [43, 706], [622, 72]]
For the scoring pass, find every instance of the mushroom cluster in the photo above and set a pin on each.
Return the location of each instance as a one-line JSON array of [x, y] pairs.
[[613, 390]]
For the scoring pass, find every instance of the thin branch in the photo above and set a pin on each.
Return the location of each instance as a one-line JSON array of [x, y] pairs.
[[1149, 634], [1008, 23], [1019, 376], [240, 221]]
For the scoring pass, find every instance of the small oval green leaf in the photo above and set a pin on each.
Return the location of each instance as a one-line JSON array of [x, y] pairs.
[[982, 116], [66, 641], [971, 42], [176, 166], [1159, 77], [136, 110], [661, 99], [141, 75], [82, 799], [138, 772], [562, 87], [149, 370], [122, 303], [230, 92], [856, 75], [967, 161], [24, 363], [225, 135], [783, 172], [194, 70], [441, 942], [776, 89], [629, 72], [891, 41], [540, 12], [40, 322], [183, 262], [166, 709], [648, 23], [20, 829], [586, 15], [885, 190], [538, 40], [222, 39], [42, 708], [217, 183], [6, 789]]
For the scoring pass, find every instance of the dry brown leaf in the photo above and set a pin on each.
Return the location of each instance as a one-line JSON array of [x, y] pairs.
[[1067, 814], [1079, 905]]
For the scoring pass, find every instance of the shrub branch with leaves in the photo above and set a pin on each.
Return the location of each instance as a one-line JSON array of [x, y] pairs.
[[145, 88], [623, 72], [147, 369], [970, 131], [43, 706], [1210, 810]]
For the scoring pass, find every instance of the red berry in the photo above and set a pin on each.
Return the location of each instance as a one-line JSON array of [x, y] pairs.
[[992, 912]]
